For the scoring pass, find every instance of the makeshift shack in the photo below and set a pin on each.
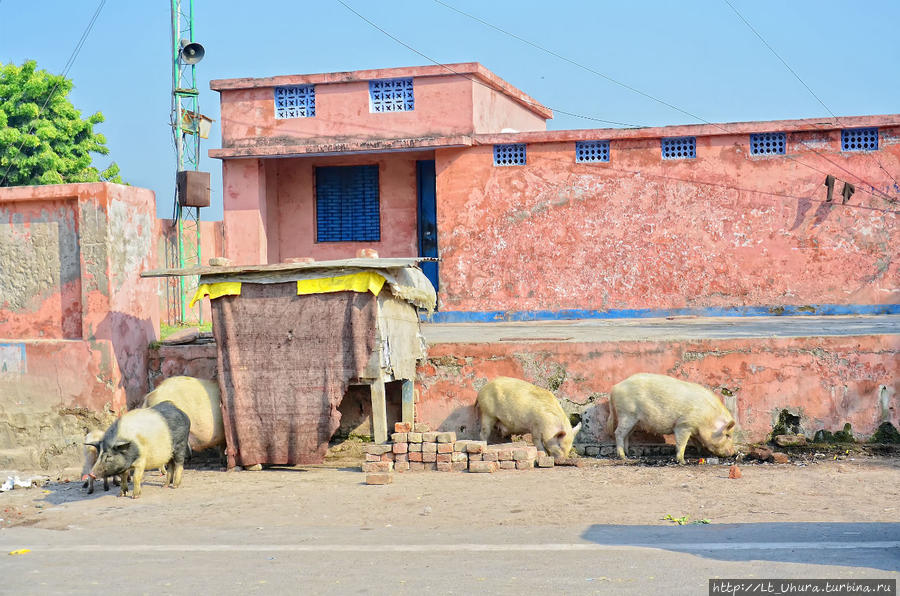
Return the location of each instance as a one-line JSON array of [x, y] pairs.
[[292, 337]]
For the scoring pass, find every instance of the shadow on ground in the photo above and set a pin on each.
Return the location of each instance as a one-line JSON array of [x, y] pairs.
[[869, 545]]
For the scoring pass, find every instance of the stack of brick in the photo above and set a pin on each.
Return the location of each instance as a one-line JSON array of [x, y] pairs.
[[416, 448]]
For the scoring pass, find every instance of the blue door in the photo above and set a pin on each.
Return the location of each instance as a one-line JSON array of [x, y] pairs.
[[428, 245]]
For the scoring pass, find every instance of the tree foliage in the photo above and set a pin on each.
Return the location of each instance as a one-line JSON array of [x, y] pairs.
[[52, 146]]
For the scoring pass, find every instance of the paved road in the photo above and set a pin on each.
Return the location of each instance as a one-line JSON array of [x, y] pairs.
[[591, 559], [662, 329]]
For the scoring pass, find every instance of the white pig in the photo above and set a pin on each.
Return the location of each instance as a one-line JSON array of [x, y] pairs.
[[199, 399], [664, 405], [521, 407]]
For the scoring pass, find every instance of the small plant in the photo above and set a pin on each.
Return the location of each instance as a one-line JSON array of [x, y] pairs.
[[684, 520]]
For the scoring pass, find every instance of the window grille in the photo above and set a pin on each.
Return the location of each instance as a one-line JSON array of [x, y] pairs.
[[295, 101], [859, 139], [768, 143], [347, 207], [391, 95], [679, 148], [587, 151], [509, 155]]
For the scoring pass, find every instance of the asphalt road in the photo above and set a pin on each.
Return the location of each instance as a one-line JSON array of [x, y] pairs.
[[590, 559], [678, 328]]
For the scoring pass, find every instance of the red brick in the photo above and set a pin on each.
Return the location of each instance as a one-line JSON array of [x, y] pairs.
[[490, 456], [444, 466], [429, 437], [446, 437], [399, 438], [507, 464], [414, 437], [430, 467], [421, 427], [459, 466], [525, 464], [400, 448], [544, 461], [415, 456], [444, 448], [520, 454], [372, 457], [505, 454], [416, 466], [400, 457], [379, 478], [483, 467], [401, 467], [475, 456], [476, 447], [415, 447], [429, 457], [444, 458], [387, 457], [532, 452], [402, 427], [429, 447], [780, 458], [457, 456], [378, 466]]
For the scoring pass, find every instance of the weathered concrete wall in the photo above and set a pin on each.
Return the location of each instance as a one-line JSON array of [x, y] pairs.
[[725, 229], [70, 263], [826, 380]]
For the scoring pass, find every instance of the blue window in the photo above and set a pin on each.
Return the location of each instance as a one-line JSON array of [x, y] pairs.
[[509, 155], [859, 139], [391, 95], [295, 101], [768, 143], [347, 204], [586, 151], [679, 148]]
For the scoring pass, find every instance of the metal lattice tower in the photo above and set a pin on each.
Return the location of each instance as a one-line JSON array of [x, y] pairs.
[[185, 100]]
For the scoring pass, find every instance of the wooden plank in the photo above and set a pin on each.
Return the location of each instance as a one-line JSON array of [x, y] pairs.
[[379, 411], [407, 404], [362, 263]]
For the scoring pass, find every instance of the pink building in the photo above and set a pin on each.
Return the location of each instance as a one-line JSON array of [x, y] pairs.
[[533, 224], [752, 218]]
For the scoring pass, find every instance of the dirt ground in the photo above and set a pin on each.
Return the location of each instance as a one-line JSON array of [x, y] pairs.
[[854, 488]]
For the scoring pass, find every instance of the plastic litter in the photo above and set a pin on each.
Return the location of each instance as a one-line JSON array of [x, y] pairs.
[[20, 551]]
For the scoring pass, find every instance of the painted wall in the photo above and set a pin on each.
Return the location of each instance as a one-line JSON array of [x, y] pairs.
[[73, 306], [270, 208], [493, 112], [826, 380], [725, 229]]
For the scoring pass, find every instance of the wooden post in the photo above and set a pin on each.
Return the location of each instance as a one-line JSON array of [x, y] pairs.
[[379, 411], [408, 405]]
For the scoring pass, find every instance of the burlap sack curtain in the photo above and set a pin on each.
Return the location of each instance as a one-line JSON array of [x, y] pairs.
[[285, 362]]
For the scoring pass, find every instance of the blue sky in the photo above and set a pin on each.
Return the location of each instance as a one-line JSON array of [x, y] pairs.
[[697, 55]]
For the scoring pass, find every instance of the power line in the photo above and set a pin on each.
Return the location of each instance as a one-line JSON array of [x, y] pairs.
[[875, 192], [442, 65], [63, 76], [802, 82]]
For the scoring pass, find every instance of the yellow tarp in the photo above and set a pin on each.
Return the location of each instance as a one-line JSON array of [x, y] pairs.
[[367, 281], [213, 291]]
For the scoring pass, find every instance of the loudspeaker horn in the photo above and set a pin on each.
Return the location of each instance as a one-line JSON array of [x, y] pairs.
[[191, 53]]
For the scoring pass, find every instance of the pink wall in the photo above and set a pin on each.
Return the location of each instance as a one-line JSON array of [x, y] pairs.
[[494, 112], [827, 380], [723, 229], [285, 226]]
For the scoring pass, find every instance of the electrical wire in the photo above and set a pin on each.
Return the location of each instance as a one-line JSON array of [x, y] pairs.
[[875, 192], [474, 80], [802, 82], [64, 74]]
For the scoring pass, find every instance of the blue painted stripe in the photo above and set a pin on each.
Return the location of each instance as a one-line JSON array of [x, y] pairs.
[[495, 316]]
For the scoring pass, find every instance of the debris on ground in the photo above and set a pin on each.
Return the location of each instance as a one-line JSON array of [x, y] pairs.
[[28, 482], [790, 440], [734, 472]]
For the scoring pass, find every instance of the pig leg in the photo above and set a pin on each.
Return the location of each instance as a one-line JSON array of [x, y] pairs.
[[137, 478], [623, 430], [487, 425], [682, 436], [106, 483], [90, 484]]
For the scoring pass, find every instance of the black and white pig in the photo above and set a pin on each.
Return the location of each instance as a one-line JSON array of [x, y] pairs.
[[144, 439]]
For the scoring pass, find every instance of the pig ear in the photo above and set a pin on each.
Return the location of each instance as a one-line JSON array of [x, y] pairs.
[[120, 445], [730, 426], [561, 435], [576, 429], [94, 444]]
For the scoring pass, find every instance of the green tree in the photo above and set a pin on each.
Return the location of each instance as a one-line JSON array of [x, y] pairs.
[[52, 146]]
